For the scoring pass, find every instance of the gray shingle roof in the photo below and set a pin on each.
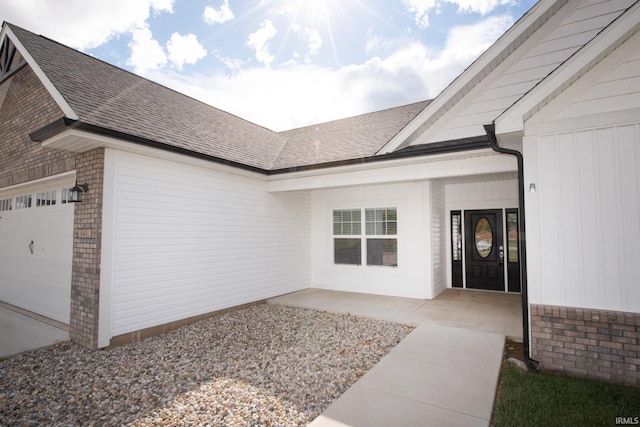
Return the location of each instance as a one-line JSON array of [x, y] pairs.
[[350, 138], [111, 98]]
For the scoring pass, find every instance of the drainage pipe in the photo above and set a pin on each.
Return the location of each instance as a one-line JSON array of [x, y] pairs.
[[491, 134]]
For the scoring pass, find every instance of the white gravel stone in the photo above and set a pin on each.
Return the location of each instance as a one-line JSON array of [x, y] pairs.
[[267, 365]]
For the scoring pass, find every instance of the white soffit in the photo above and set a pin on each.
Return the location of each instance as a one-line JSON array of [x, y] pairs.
[[512, 120], [55, 94]]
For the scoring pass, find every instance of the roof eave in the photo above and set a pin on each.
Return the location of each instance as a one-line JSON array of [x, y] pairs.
[[477, 70], [65, 133], [55, 93], [454, 146]]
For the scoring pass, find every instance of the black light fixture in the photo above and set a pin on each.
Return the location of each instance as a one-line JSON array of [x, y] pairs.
[[75, 193]]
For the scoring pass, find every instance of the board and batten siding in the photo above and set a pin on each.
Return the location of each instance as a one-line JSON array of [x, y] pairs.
[[190, 240], [584, 221], [409, 279]]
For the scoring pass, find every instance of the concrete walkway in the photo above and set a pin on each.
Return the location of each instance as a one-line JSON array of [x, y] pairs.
[[444, 373]]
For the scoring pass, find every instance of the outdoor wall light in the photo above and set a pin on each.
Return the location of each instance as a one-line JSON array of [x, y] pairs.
[[532, 188], [75, 193]]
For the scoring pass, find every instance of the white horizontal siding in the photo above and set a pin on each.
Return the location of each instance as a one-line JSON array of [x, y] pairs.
[[526, 67], [617, 89], [588, 215], [190, 240], [438, 237]]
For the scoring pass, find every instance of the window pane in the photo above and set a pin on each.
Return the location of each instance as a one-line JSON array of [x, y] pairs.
[[456, 237], [382, 252], [381, 222], [512, 236], [346, 222], [347, 251], [484, 237]]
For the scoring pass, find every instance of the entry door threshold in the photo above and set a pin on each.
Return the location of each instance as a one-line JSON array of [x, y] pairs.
[[39, 317]]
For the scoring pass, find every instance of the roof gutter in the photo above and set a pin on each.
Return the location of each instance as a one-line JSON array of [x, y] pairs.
[[454, 146], [66, 123], [522, 243]]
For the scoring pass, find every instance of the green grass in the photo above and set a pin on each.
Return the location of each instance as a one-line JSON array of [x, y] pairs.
[[543, 399]]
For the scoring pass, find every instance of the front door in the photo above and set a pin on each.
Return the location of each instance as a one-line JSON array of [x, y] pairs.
[[484, 250]]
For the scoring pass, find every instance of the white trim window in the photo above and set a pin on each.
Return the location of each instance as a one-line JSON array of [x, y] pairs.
[[23, 202], [46, 198], [347, 236], [383, 248], [6, 204], [378, 244]]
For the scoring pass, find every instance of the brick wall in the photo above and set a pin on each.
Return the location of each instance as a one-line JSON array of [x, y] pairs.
[[87, 240], [593, 343], [26, 107]]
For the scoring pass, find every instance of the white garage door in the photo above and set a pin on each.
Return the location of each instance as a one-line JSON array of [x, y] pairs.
[[36, 247]]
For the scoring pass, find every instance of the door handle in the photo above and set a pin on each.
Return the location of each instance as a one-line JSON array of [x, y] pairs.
[[501, 256]]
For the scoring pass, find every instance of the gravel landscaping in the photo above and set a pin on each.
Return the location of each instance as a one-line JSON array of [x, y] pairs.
[[267, 365]]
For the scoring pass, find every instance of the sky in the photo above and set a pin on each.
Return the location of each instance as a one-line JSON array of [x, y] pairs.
[[281, 64]]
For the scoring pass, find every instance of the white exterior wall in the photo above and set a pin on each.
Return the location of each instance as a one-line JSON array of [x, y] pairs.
[[182, 240], [413, 276], [583, 223]]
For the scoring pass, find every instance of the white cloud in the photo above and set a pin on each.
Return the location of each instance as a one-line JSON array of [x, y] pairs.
[[314, 41], [146, 52], [481, 6], [184, 50], [260, 38], [303, 94], [84, 24], [422, 8], [213, 16]]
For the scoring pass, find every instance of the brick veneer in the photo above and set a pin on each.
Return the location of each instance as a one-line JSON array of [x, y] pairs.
[[593, 343], [26, 107], [87, 240]]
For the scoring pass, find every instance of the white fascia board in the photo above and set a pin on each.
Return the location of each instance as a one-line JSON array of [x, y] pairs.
[[577, 65], [55, 94], [80, 141], [452, 92], [476, 162]]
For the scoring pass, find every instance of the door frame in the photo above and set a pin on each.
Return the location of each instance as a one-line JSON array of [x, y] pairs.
[[461, 274]]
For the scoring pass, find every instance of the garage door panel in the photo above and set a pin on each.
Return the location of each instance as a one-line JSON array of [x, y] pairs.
[[37, 276]]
